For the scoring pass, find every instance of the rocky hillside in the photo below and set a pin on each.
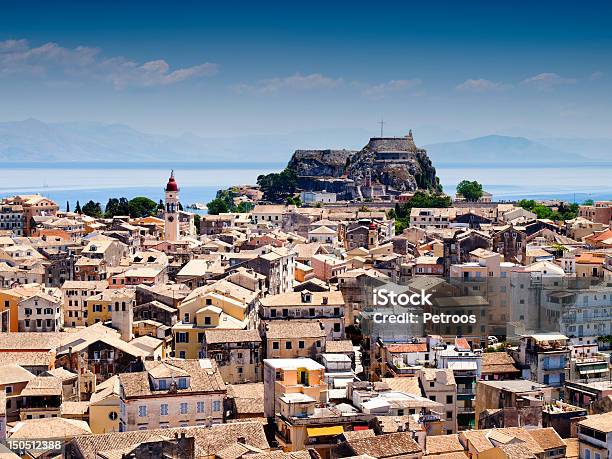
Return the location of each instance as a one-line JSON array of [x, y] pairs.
[[395, 162], [320, 163]]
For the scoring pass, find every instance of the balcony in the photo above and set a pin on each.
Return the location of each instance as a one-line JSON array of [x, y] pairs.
[[465, 410], [466, 390]]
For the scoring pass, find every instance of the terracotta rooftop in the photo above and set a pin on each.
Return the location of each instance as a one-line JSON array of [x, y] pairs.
[[547, 438], [293, 329], [204, 377], [443, 444], [601, 422], [498, 362], [231, 336], [384, 446], [208, 440], [407, 347]]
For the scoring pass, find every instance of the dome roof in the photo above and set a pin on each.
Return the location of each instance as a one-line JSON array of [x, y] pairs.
[[171, 186]]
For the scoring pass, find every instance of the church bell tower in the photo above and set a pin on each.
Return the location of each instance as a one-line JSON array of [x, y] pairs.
[[171, 220]]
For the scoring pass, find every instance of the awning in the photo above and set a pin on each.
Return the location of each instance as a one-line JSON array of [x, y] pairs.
[[462, 365], [322, 431], [591, 372]]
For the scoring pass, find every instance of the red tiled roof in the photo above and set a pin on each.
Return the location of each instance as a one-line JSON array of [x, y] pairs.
[[412, 347]]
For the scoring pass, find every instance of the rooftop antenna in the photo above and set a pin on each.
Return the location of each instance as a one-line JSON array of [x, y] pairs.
[[382, 123]]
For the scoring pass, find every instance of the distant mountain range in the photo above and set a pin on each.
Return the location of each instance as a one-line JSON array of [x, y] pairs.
[[32, 140], [492, 149]]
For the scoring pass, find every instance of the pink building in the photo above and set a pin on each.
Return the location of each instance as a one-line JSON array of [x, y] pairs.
[[326, 267]]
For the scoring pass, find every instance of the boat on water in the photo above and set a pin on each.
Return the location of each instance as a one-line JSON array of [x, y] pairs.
[[198, 206]]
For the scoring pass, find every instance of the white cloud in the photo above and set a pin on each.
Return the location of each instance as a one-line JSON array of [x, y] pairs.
[[19, 57], [547, 81], [379, 91], [596, 76], [296, 82], [482, 85]]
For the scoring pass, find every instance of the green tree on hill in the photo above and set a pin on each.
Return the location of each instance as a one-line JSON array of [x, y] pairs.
[[92, 209], [471, 191], [420, 199], [277, 186], [217, 206], [563, 212], [116, 207], [141, 206]]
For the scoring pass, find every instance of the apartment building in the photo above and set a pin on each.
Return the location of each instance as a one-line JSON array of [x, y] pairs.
[[595, 436], [238, 354], [326, 307], [543, 358], [100, 306], [172, 393], [433, 217], [294, 339], [40, 310], [439, 386], [76, 294]]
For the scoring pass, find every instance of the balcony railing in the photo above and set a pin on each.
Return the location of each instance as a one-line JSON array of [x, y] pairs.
[[466, 390], [465, 409]]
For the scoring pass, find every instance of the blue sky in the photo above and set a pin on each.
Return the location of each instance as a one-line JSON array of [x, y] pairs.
[[450, 69]]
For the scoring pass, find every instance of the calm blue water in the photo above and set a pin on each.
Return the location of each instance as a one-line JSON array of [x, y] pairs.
[[199, 182]]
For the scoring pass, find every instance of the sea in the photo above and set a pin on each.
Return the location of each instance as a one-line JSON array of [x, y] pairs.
[[69, 182]]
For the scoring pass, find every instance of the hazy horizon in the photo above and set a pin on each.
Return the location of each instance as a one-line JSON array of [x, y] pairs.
[[449, 71]]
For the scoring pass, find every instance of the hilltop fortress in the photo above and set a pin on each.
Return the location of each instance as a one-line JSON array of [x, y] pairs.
[[386, 166]]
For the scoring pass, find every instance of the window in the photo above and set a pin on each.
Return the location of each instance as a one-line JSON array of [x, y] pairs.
[[216, 405], [318, 343], [113, 415], [288, 345], [163, 409], [142, 411], [207, 321], [449, 415], [182, 383], [200, 407], [449, 399], [182, 337], [432, 398], [186, 318], [272, 312], [301, 344], [275, 345], [181, 354], [183, 408], [8, 390], [162, 384], [336, 327]]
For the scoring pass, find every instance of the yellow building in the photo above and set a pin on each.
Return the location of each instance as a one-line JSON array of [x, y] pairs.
[[292, 339], [223, 305], [9, 307], [100, 307], [293, 391], [104, 407]]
